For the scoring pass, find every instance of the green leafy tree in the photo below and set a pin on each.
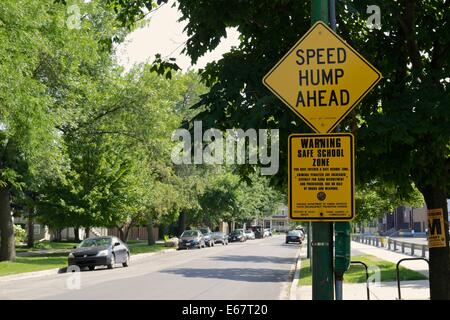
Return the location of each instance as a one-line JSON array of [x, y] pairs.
[[401, 127], [373, 200]]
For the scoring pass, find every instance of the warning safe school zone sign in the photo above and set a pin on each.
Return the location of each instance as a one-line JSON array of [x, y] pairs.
[[321, 177]]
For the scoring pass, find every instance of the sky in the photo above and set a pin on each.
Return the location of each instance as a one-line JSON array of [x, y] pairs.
[[164, 35]]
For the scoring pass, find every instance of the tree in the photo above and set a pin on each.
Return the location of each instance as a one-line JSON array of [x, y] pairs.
[[375, 199], [45, 68], [401, 127]]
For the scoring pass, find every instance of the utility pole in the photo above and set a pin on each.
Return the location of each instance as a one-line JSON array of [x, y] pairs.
[[322, 232]]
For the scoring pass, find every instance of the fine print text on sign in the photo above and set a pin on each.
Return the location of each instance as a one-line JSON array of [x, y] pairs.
[[321, 78], [321, 177], [436, 229]]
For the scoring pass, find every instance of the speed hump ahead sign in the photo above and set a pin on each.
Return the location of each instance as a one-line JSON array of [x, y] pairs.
[[321, 78], [321, 177]]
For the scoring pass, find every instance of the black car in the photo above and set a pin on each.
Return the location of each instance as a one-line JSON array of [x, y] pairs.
[[191, 239], [294, 236], [220, 237], [259, 232], [100, 251], [237, 235], [207, 236]]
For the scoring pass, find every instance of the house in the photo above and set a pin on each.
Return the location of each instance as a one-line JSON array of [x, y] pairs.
[[279, 221], [44, 233]]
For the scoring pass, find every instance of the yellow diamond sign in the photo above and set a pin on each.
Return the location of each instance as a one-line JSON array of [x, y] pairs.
[[322, 78]]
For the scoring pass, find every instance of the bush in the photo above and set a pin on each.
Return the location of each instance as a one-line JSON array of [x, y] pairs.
[[172, 242], [20, 234]]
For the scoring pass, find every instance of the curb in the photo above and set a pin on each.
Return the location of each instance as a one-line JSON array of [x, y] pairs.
[[141, 256], [293, 288], [55, 271], [30, 275]]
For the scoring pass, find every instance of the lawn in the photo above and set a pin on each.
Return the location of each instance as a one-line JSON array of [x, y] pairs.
[[48, 245], [357, 274], [38, 262], [142, 247], [33, 263]]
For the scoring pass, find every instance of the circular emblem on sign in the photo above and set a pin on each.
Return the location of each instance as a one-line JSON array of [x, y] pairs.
[[321, 196]]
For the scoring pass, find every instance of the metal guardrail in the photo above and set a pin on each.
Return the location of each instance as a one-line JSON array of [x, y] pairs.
[[398, 272], [391, 244], [367, 275]]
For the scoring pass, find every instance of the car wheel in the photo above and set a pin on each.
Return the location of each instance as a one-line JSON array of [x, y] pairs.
[[92, 268], [113, 262], [127, 262], [287, 242]]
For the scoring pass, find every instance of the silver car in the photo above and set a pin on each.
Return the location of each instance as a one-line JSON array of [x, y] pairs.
[[191, 239]]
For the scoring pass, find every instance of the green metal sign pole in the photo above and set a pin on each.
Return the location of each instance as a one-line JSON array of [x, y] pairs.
[[322, 232]]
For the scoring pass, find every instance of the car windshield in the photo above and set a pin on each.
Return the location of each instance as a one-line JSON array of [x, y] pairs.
[[95, 242], [293, 233], [190, 233], [219, 234], [204, 231], [248, 231], [236, 232]]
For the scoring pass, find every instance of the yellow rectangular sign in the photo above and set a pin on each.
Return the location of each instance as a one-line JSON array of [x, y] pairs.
[[436, 228], [321, 177]]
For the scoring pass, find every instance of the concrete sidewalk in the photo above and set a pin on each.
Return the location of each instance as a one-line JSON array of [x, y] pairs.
[[410, 290], [363, 249]]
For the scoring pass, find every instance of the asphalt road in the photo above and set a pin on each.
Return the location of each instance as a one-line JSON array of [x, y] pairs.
[[256, 269]]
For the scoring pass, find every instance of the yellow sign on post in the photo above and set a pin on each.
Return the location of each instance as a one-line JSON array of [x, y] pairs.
[[321, 177], [322, 78], [436, 229]]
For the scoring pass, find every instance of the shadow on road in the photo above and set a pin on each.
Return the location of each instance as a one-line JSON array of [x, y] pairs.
[[257, 259], [237, 274]]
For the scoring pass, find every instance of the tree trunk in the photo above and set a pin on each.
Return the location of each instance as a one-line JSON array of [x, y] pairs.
[[121, 233], [230, 225], [127, 232], [151, 240], [439, 258], [30, 237], [58, 236], [7, 243], [182, 222], [76, 232], [87, 230]]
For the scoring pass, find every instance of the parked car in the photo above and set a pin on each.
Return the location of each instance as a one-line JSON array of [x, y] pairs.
[[259, 232], [294, 236], [207, 236], [301, 229], [250, 235], [237, 235], [267, 233], [100, 251], [220, 237], [191, 239], [302, 235]]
